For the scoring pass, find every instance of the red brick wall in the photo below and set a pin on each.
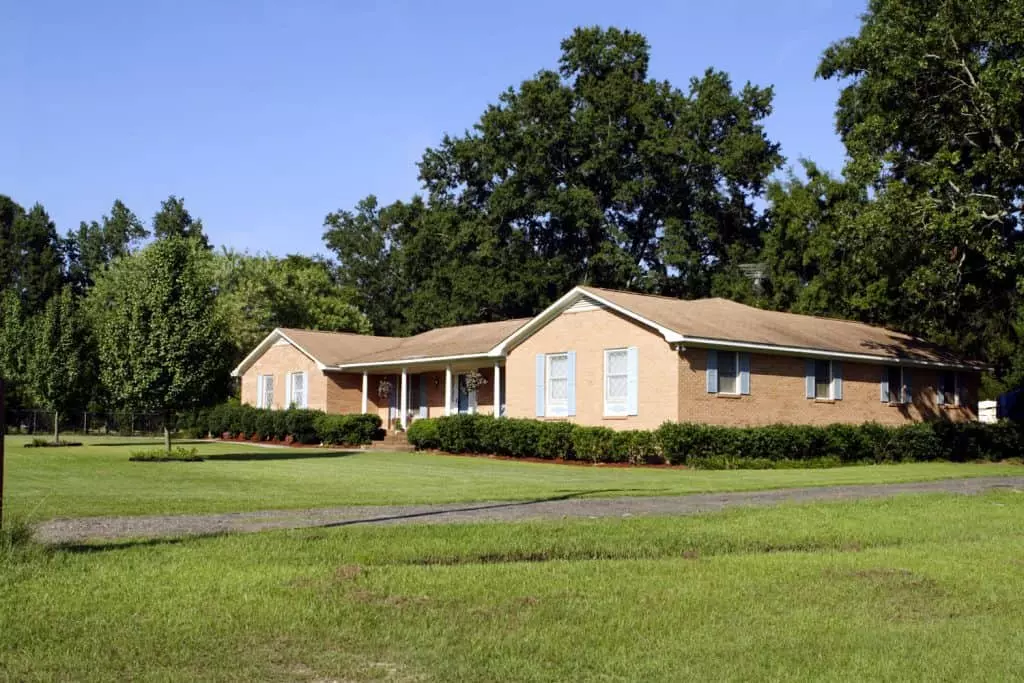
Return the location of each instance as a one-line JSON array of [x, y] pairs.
[[777, 395]]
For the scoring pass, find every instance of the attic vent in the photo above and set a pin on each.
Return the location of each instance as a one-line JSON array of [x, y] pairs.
[[584, 304]]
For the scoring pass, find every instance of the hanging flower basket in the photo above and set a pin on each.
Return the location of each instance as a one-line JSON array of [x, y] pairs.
[[474, 380], [384, 389]]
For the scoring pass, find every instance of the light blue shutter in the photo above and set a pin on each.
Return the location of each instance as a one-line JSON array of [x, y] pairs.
[[571, 384], [940, 394], [908, 394], [961, 390], [837, 380], [632, 382], [422, 379], [883, 393], [539, 400], [712, 371], [809, 378], [744, 373]]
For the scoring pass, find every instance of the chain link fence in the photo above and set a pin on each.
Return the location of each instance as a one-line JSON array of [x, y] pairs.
[[116, 423]]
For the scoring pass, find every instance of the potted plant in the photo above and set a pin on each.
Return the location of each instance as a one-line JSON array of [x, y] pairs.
[[474, 380], [384, 389]]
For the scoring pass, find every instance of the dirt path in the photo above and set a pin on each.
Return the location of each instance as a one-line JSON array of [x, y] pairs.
[[111, 528]]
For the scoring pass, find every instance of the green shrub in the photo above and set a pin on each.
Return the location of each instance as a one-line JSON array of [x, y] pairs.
[[178, 454], [46, 443], [423, 434], [300, 424], [346, 430], [554, 440], [458, 433], [596, 444]]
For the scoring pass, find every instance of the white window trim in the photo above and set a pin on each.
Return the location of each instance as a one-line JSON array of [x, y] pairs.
[[901, 400], [555, 407], [616, 408], [956, 390], [831, 381], [736, 355], [261, 391], [291, 390]]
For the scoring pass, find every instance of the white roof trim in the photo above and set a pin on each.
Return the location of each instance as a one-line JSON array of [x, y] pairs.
[[822, 353], [571, 297], [419, 360], [268, 341]]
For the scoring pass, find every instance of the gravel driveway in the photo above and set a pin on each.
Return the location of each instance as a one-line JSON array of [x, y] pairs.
[[570, 506]]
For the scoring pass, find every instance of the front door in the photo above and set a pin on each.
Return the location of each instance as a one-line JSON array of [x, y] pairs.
[[465, 400]]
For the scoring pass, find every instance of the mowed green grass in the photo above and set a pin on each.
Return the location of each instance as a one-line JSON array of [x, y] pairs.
[[97, 479], [926, 588]]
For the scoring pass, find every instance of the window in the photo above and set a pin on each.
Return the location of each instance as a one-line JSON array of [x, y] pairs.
[[616, 382], [265, 391], [948, 389], [822, 379], [298, 389], [728, 372], [558, 383], [895, 385]]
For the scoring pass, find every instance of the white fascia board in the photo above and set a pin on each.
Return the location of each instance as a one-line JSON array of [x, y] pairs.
[[552, 311], [821, 353], [262, 347], [411, 361]]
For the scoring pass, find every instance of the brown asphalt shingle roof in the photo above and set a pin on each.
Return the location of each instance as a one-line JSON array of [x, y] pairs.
[[709, 319], [341, 348], [725, 320]]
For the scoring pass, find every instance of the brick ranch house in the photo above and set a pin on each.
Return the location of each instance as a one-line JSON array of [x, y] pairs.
[[626, 361]]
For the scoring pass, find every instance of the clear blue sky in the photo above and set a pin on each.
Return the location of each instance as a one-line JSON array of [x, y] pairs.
[[267, 115]]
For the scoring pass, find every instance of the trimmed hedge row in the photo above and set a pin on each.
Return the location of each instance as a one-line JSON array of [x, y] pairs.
[[295, 425], [713, 447]]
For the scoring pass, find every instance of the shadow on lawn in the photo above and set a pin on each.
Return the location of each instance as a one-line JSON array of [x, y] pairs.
[[129, 543], [280, 454], [475, 508]]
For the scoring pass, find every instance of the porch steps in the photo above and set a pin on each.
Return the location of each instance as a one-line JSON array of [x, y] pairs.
[[393, 441]]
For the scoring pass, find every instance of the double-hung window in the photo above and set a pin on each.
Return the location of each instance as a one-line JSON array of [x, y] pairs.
[[297, 390], [896, 389], [824, 379], [558, 383], [616, 382], [265, 391], [728, 372], [948, 389]]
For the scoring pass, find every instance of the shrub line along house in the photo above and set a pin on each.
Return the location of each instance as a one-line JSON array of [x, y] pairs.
[[623, 360]]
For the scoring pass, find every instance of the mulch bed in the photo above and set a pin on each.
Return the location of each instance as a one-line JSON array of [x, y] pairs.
[[560, 461]]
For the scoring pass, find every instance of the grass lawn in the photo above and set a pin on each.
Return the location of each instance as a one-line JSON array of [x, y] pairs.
[[98, 479], [911, 588]]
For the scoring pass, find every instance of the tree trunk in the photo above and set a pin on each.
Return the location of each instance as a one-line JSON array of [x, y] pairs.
[[56, 427], [167, 438]]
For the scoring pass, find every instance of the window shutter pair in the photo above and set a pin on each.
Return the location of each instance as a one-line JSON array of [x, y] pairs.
[[541, 386], [711, 372], [837, 379]]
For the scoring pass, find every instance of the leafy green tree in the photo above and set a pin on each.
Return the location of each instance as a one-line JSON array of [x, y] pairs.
[[58, 369], [594, 173], [31, 254], [158, 332], [257, 293], [96, 244], [13, 347], [932, 116], [174, 220]]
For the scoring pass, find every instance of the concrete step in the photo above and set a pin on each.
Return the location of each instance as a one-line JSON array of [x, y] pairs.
[[395, 446]]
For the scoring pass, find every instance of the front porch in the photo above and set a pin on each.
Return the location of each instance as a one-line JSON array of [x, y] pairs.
[[408, 394]]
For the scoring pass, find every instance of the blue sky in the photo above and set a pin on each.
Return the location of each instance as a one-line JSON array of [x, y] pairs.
[[267, 115]]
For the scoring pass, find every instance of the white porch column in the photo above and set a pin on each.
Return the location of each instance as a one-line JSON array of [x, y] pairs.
[[366, 391], [448, 390], [403, 415], [497, 390]]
